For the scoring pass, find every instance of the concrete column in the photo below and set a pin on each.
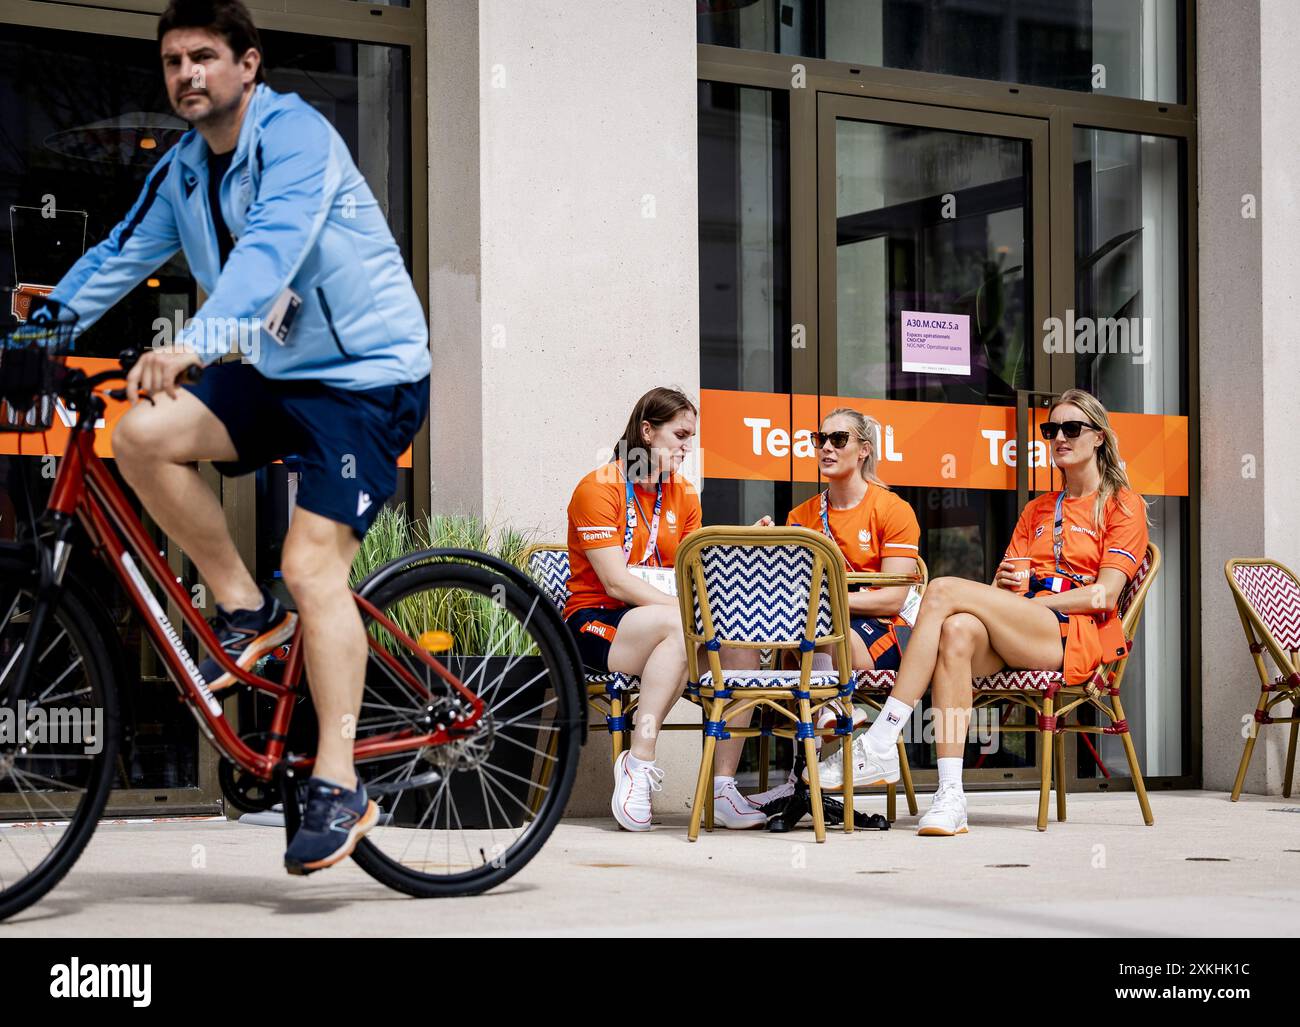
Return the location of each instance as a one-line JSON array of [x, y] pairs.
[[1250, 469], [565, 269], [456, 437]]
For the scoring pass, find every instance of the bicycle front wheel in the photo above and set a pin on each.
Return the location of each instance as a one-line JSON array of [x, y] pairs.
[[58, 744], [462, 817]]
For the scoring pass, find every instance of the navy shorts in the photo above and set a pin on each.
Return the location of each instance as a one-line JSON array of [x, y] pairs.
[[594, 630], [1036, 587], [885, 641], [347, 441]]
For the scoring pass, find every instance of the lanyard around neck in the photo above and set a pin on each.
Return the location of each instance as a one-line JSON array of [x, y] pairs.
[[1058, 539], [650, 547], [826, 524]]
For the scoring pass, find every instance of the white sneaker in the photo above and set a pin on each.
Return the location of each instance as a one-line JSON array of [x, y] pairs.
[[731, 809], [869, 767], [827, 714], [632, 788], [781, 791], [947, 813]]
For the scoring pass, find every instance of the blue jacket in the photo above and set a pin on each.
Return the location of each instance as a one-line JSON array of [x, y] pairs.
[[303, 218]]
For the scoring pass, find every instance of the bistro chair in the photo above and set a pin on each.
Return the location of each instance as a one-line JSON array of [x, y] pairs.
[[1268, 601], [781, 589], [1045, 693]]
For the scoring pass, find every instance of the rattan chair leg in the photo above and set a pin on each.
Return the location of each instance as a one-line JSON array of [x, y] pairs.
[[1139, 785], [615, 737], [713, 772], [846, 788], [764, 757], [704, 784], [1044, 765], [1290, 756], [891, 802], [814, 782], [538, 791], [905, 771], [1249, 749], [1058, 747]]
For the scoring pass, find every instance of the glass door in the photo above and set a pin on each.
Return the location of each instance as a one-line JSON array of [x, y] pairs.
[[932, 270]]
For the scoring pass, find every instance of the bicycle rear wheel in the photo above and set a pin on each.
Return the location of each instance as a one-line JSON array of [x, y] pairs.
[[58, 744], [460, 818]]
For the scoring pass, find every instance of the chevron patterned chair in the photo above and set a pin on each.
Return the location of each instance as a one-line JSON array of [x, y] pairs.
[[1268, 601], [764, 588], [612, 695], [1045, 693]]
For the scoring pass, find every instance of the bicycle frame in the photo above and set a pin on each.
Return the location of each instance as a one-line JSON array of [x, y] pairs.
[[84, 489]]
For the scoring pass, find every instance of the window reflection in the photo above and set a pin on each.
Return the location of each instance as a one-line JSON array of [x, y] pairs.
[[744, 268], [1129, 196], [1131, 48]]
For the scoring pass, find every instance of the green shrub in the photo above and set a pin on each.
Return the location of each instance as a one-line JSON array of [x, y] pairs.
[[479, 625]]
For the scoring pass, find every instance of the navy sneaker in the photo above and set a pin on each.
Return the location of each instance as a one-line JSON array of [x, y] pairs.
[[335, 820], [247, 636]]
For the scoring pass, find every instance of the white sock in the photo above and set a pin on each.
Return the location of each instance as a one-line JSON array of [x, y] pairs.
[[633, 763], [883, 734], [950, 771]]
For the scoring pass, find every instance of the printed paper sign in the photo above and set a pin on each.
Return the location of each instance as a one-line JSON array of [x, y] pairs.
[[936, 343]]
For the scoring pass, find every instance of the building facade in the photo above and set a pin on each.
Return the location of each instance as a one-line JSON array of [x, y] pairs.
[[940, 213]]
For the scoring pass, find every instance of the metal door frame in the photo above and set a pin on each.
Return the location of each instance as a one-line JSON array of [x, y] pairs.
[[810, 82]]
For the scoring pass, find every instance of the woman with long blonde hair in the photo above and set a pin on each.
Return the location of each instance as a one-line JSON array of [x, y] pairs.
[[1050, 606], [877, 532]]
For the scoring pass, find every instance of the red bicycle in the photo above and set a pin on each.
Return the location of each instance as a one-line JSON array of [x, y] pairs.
[[470, 726]]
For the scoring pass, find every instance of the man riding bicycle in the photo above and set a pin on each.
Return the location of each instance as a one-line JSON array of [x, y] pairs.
[[303, 277]]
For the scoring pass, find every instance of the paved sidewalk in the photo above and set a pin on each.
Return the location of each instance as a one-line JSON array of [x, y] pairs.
[[1207, 867]]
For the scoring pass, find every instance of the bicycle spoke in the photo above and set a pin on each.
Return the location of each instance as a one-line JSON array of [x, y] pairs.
[[63, 633], [56, 698], [522, 745]]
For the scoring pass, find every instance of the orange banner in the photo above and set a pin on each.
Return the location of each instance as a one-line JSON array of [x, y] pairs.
[[767, 436], [55, 440]]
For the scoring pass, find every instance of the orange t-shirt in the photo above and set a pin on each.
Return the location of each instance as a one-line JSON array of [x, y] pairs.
[[882, 525], [598, 520], [1085, 552]]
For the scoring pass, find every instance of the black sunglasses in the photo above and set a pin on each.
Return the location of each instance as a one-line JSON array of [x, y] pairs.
[[1070, 429], [838, 439]]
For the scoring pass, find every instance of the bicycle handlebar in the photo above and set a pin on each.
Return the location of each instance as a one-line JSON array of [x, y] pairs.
[[128, 359]]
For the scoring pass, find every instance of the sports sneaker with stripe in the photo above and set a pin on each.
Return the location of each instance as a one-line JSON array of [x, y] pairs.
[[733, 810], [630, 803], [247, 636], [334, 821]]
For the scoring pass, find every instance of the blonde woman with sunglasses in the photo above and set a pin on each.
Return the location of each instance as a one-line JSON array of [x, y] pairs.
[[877, 532], [1050, 606]]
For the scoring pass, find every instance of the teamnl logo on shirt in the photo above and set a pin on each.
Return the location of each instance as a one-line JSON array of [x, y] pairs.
[[596, 533], [864, 539]]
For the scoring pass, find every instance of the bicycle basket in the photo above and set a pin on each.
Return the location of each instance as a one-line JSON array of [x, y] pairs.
[[31, 360]]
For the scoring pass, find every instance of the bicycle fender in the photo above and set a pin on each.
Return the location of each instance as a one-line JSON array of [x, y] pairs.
[[381, 575]]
